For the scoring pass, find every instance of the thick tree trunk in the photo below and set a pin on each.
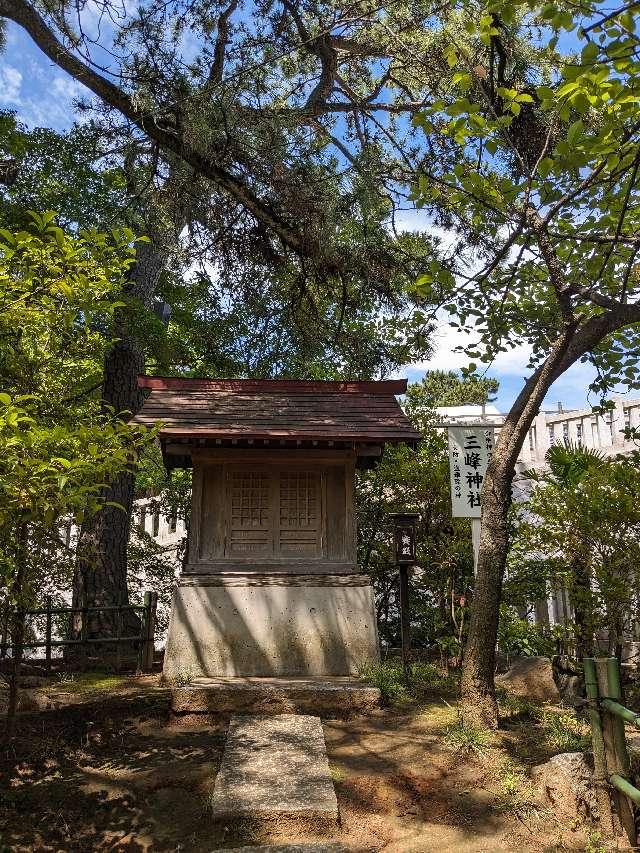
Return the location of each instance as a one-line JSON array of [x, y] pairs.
[[101, 569]]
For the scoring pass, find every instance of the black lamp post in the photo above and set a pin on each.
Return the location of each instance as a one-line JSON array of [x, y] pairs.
[[404, 540]]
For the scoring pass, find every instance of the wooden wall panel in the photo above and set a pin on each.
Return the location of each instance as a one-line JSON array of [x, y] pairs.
[[336, 512], [211, 512]]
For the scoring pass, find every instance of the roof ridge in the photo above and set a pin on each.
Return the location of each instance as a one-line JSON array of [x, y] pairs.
[[178, 383]]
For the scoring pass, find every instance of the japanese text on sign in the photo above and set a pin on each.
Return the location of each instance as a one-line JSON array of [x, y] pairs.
[[470, 450]]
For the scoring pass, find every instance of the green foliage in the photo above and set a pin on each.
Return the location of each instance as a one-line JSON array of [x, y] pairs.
[[545, 144], [57, 294], [519, 637], [409, 480], [585, 520]]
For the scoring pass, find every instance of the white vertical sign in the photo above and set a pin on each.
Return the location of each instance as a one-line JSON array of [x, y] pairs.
[[470, 450]]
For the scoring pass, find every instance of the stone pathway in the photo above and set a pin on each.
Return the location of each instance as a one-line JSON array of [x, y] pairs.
[[275, 766]]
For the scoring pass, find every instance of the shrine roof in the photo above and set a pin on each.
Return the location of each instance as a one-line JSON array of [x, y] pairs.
[[276, 409]]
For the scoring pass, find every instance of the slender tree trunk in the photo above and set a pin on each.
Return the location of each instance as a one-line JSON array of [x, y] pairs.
[[100, 578], [479, 701], [582, 607], [479, 706]]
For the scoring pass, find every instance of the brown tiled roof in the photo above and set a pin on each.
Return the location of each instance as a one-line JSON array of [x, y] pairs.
[[276, 409]]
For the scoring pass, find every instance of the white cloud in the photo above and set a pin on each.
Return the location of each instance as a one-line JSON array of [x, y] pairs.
[[446, 339], [10, 85], [68, 88]]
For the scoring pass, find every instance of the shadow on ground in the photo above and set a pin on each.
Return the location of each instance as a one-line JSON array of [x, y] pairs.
[[100, 777]]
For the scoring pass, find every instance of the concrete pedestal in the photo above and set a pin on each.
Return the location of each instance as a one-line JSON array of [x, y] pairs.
[[270, 625]]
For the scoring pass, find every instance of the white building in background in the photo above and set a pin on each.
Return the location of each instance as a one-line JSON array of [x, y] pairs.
[[604, 433], [578, 426], [166, 530]]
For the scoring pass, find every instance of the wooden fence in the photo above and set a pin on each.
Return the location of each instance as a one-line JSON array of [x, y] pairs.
[[144, 639]]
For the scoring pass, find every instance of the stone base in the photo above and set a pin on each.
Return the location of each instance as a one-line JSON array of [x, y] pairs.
[[270, 625], [323, 697]]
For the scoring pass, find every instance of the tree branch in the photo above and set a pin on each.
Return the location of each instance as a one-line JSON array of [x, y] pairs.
[[23, 14], [217, 66]]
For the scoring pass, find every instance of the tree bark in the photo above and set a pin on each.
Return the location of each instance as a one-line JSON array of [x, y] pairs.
[[101, 567], [582, 606], [479, 706]]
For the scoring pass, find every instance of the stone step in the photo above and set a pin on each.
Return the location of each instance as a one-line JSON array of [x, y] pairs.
[[326, 697], [275, 767]]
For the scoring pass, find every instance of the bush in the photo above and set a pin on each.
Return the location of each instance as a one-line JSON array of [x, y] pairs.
[[518, 637], [388, 677]]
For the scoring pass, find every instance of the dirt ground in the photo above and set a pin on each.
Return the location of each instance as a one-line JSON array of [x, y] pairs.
[[109, 770]]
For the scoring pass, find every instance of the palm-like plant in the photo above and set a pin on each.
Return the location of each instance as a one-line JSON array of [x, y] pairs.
[[568, 463]]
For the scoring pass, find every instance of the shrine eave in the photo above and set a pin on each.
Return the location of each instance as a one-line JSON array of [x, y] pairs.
[[246, 413]]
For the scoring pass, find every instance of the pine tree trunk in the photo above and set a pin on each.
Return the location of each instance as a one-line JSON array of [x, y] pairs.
[[101, 567]]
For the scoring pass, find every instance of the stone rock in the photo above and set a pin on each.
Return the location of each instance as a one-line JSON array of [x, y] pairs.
[[322, 697], [28, 700], [565, 783], [531, 677], [34, 681], [568, 679]]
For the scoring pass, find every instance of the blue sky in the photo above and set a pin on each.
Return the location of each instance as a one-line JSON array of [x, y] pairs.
[[43, 95]]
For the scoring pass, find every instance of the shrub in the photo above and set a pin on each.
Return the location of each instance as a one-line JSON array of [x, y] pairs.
[[516, 636]]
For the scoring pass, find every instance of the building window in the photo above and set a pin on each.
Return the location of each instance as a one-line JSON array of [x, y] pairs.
[[173, 521], [142, 519], [595, 432], [579, 437], [552, 433], [627, 418], [565, 432], [532, 439], [156, 522]]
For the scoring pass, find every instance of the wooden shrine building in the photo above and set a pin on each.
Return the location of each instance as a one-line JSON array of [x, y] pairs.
[[270, 585]]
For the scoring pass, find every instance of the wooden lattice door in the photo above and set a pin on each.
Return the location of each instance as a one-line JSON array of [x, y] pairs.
[[250, 530], [300, 514], [274, 513]]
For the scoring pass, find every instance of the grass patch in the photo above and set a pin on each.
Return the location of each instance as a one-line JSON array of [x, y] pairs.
[[389, 678], [88, 681], [515, 791], [564, 732], [510, 706], [465, 738]]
